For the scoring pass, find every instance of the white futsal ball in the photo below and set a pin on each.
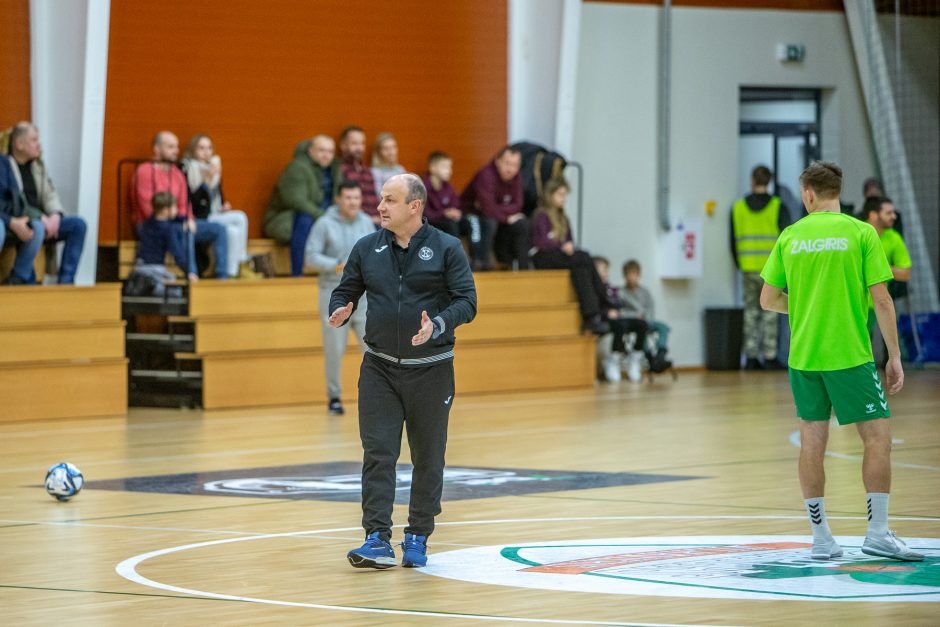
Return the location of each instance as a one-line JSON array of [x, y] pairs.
[[63, 481]]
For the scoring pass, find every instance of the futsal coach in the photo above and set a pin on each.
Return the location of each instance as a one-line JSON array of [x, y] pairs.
[[420, 288]]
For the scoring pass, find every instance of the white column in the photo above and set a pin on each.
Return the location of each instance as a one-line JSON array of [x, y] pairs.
[[535, 28], [69, 64], [569, 44]]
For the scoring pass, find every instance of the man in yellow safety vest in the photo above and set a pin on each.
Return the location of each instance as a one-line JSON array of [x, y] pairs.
[[756, 222]]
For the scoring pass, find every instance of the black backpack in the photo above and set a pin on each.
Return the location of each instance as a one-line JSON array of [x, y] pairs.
[[539, 165], [139, 284]]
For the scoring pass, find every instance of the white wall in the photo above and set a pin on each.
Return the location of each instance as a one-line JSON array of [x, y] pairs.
[[715, 51], [535, 33]]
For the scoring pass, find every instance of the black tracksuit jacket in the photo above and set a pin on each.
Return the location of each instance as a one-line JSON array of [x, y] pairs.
[[434, 277]]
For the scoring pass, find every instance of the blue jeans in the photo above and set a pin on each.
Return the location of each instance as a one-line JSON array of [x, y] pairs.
[[22, 273], [72, 232], [303, 223], [214, 233]]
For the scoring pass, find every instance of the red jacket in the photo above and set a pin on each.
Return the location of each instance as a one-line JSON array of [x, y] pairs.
[[148, 180]]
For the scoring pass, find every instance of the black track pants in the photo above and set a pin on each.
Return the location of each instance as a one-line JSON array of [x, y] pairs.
[[390, 397]]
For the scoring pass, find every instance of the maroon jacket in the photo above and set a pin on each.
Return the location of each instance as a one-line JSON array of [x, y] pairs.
[[489, 196], [439, 199], [542, 239], [354, 171]]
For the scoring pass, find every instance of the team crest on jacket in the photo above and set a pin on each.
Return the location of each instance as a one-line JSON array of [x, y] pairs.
[[425, 253]]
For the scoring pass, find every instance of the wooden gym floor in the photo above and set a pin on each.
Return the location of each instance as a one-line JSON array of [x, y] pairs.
[[713, 455]]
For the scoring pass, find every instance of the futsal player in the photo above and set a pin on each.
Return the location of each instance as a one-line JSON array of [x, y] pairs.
[[828, 262]]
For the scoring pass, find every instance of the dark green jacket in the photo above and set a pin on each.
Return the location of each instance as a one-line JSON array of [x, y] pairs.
[[299, 188]]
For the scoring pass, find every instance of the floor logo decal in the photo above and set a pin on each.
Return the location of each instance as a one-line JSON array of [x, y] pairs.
[[340, 481], [725, 567]]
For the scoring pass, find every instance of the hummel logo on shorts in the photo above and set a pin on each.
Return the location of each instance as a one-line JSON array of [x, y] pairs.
[[870, 408]]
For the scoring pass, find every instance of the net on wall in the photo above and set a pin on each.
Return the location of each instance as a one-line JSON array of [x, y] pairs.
[[897, 50]]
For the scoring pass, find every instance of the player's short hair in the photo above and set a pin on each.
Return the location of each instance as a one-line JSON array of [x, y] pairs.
[[436, 156], [824, 178], [631, 266], [873, 205], [162, 200], [761, 175]]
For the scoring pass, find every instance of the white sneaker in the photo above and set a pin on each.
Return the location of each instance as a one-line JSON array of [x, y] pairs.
[[825, 549], [634, 373], [612, 367], [890, 546]]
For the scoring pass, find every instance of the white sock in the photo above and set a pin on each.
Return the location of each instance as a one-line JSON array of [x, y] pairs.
[[877, 513], [816, 508]]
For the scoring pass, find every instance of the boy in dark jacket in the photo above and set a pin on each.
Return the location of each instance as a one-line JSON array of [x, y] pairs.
[[160, 234]]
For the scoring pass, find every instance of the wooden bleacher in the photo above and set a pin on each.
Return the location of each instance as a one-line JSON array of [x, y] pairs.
[[127, 255], [62, 352], [260, 343]]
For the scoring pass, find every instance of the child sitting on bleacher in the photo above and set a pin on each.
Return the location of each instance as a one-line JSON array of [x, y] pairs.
[[638, 304], [160, 234]]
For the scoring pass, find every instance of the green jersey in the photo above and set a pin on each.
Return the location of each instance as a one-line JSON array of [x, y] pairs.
[[895, 250], [897, 255], [827, 261]]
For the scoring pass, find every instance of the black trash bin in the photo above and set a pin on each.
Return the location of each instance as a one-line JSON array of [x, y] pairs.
[[723, 338]]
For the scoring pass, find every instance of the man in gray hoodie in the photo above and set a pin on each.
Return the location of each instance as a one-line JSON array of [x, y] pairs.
[[328, 247]]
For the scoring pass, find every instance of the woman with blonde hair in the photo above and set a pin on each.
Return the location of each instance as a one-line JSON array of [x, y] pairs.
[[203, 169], [553, 249], [385, 160]]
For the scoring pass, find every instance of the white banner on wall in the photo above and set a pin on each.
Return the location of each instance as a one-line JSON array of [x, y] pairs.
[[680, 250]]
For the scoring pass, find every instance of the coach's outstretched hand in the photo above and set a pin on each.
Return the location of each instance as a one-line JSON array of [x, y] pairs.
[[341, 315], [424, 334]]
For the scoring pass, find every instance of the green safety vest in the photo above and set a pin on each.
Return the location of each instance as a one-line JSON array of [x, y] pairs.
[[755, 233]]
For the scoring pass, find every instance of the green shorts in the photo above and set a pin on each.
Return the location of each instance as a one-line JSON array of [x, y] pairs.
[[856, 394]]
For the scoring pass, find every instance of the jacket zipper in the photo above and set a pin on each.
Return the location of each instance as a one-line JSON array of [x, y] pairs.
[[398, 325]]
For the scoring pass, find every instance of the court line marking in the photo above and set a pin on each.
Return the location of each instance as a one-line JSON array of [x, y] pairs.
[[795, 441], [128, 569]]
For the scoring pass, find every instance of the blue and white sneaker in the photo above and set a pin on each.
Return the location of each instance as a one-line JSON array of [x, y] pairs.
[[415, 550], [375, 553]]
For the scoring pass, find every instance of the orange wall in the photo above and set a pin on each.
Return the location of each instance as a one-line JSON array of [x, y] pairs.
[[260, 76], [15, 100]]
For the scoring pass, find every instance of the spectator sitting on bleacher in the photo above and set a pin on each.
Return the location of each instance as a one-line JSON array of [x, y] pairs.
[[494, 198], [303, 192], [441, 210], [328, 248], [22, 225], [161, 233], [638, 303], [203, 169], [162, 174], [33, 182], [553, 249], [385, 160], [620, 327], [352, 145]]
